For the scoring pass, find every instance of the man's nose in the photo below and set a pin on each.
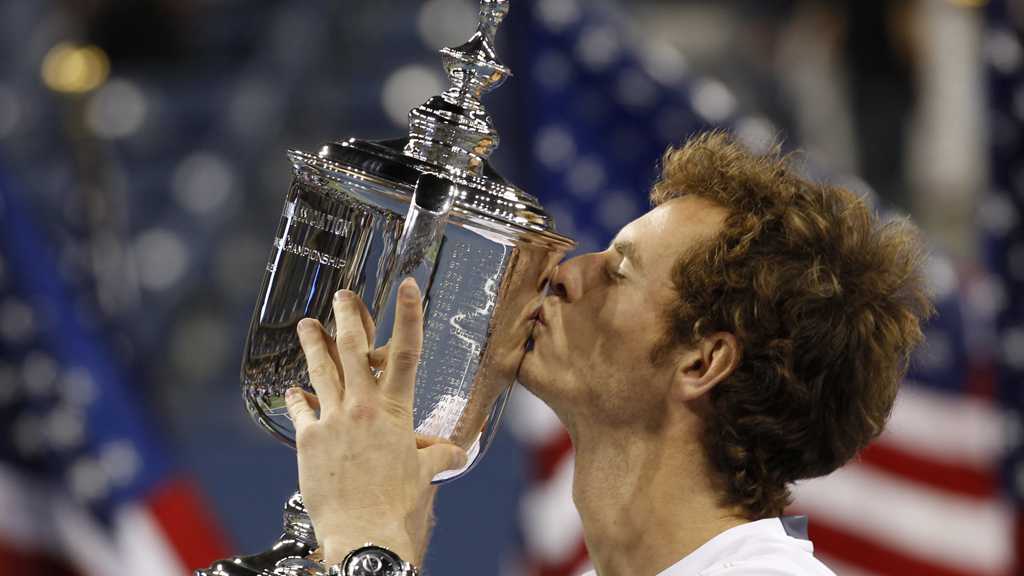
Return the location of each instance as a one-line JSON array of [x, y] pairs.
[[567, 281], [558, 282]]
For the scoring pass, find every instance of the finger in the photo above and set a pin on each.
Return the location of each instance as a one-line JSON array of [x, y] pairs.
[[367, 320], [406, 343], [352, 342], [299, 409], [323, 372], [379, 357], [441, 457], [332, 349], [312, 399]]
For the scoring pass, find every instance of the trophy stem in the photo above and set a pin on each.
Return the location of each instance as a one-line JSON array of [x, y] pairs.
[[294, 554]]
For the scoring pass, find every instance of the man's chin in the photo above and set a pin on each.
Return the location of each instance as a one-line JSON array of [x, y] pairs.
[[523, 366], [537, 376], [529, 371]]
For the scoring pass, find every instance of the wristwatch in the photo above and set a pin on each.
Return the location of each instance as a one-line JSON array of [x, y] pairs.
[[372, 560]]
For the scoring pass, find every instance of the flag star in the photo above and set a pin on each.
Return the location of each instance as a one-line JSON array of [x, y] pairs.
[[941, 277], [78, 387], [87, 480], [712, 100], [39, 373], [554, 147], [1004, 50], [557, 15], [756, 132], [586, 177], [997, 214], [598, 47], [121, 461], [17, 321], [65, 427]]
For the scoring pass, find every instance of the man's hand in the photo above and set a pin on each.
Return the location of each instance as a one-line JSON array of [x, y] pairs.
[[361, 476]]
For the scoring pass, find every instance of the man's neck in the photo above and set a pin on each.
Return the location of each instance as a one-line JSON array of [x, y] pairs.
[[645, 500]]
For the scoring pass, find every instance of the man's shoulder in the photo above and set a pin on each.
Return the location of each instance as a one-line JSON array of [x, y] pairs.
[[767, 566], [770, 547], [768, 551]]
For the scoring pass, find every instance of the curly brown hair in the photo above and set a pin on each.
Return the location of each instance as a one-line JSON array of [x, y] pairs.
[[825, 300]]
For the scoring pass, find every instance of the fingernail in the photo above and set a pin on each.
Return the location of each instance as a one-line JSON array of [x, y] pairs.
[[307, 324], [342, 295], [409, 290], [292, 394], [460, 461]]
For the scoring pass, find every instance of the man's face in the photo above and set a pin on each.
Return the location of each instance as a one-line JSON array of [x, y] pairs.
[[594, 334]]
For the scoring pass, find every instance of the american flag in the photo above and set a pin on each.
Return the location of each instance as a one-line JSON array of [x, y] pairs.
[[85, 485], [602, 105]]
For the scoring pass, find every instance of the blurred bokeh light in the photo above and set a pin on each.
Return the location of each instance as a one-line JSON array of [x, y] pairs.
[[71, 68]]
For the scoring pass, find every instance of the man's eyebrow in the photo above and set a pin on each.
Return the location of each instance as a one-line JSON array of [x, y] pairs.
[[628, 249]]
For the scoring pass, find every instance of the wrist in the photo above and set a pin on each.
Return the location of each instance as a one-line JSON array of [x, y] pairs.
[[336, 549]]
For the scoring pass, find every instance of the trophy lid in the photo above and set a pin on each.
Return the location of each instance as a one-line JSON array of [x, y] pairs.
[[450, 134], [486, 194]]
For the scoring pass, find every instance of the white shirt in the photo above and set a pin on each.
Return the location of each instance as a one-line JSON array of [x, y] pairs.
[[761, 548]]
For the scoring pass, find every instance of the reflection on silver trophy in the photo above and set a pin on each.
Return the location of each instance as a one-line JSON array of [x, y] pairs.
[[363, 216]]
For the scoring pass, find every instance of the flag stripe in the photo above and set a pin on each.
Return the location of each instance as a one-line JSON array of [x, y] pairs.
[[961, 533], [965, 480], [16, 562], [551, 456], [570, 566], [945, 427], [143, 544], [178, 508], [551, 524], [874, 557]]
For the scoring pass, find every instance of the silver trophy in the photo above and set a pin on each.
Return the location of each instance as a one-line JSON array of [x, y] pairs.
[[364, 215]]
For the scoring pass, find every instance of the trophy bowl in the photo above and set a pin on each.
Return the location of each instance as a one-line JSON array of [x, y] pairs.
[[482, 279]]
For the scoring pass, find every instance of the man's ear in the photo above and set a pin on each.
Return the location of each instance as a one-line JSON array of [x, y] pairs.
[[705, 364]]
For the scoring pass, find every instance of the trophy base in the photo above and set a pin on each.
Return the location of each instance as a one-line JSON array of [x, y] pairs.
[[290, 556]]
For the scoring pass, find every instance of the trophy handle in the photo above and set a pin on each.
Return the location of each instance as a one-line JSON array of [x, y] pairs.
[[417, 249]]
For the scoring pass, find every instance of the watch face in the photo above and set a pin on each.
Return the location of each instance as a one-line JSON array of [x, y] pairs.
[[373, 561]]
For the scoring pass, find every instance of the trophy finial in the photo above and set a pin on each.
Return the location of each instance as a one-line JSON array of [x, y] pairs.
[[491, 14], [453, 130]]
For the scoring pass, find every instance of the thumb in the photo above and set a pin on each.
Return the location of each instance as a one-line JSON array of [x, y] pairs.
[[299, 409], [440, 457]]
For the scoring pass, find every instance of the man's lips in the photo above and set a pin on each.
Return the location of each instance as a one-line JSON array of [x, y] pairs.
[[538, 315]]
